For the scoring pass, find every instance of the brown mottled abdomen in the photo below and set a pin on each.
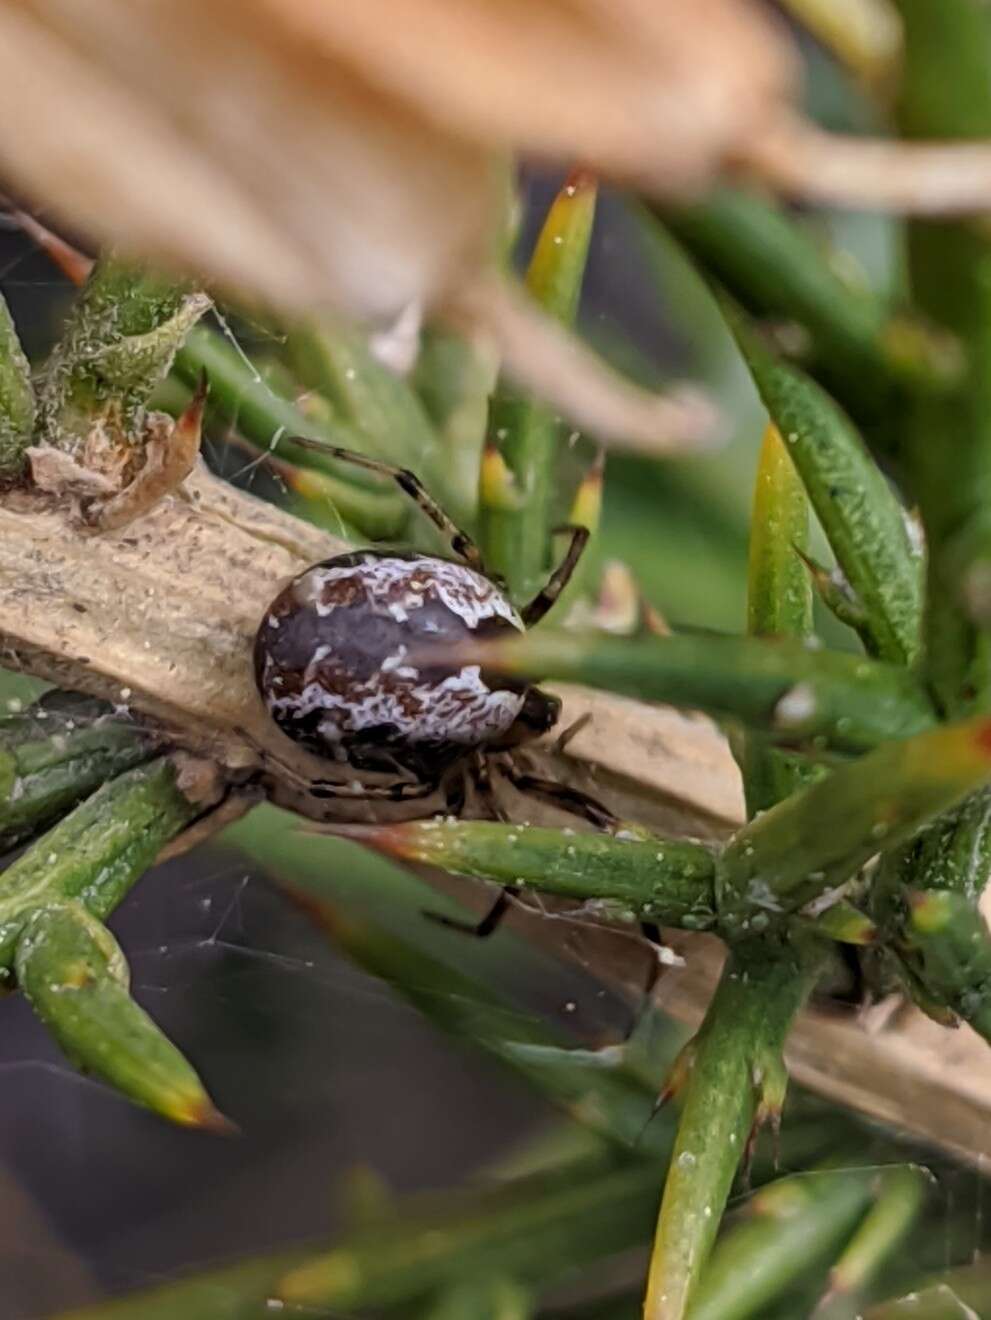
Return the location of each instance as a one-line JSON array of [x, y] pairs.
[[333, 661]]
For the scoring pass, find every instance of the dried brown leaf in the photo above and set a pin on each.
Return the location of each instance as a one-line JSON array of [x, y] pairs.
[[653, 93], [210, 136], [351, 155]]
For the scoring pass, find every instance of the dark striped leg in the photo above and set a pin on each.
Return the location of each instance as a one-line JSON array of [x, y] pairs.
[[490, 922], [568, 799], [559, 579], [460, 542], [487, 925]]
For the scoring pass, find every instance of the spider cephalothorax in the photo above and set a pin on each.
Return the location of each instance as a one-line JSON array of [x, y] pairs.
[[345, 657]]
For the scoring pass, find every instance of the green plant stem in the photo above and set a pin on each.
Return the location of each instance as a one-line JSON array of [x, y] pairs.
[[796, 694], [240, 397], [58, 751], [899, 1195], [74, 975], [534, 1229], [733, 1077], [599, 1091], [857, 508], [774, 267], [118, 344], [516, 532], [97, 852], [663, 880], [946, 92], [779, 603], [733, 1073], [17, 401], [392, 423], [796, 1224], [495, 1298], [818, 838], [625, 876]]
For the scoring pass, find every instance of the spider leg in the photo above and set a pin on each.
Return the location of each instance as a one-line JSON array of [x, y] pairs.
[[563, 796], [403, 791], [652, 934], [460, 542], [486, 925], [490, 922], [481, 774], [574, 728], [558, 580]]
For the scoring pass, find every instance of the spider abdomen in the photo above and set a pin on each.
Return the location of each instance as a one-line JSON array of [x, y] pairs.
[[336, 660]]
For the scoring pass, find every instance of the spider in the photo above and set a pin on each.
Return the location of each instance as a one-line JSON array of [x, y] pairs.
[[334, 664]]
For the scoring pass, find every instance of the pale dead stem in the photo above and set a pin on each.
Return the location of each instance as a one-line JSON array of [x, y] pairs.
[[545, 358], [802, 161], [109, 500], [159, 619], [170, 451]]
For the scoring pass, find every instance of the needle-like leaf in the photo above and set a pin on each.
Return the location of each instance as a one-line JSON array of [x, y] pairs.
[[55, 753], [799, 695], [516, 534], [664, 880], [859, 512], [74, 975], [97, 852], [818, 838]]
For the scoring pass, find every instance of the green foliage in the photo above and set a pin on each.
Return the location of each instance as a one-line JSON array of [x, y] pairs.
[[863, 521], [267, 421], [97, 852], [866, 761], [779, 604], [118, 345], [73, 974], [670, 881], [731, 1077], [792, 1226], [55, 897], [518, 482], [389, 420], [17, 402], [794, 693], [56, 752]]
